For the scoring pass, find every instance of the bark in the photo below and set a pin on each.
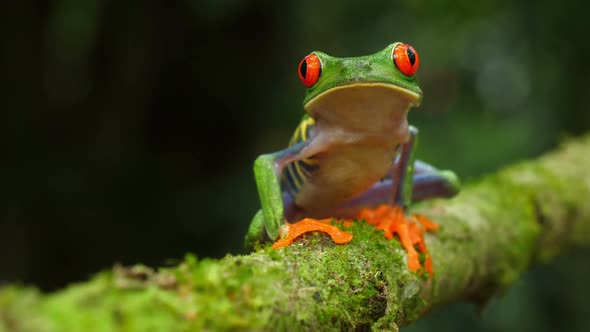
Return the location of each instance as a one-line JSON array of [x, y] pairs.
[[490, 235]]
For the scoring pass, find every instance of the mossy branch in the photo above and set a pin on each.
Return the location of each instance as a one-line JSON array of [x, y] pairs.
[[490, 235]]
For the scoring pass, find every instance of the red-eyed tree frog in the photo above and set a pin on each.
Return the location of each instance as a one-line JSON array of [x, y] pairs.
[[352, 155]]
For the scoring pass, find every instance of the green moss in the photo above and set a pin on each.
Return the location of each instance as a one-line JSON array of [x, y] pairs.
[[489, 235]]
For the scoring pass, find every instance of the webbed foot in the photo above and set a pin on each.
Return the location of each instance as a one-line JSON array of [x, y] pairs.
[[289, 232], [410, 231]]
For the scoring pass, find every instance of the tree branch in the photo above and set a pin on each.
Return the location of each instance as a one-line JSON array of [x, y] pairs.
[[490, 234]]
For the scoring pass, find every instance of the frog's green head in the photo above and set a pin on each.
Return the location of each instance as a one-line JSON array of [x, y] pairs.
[[372, 85]]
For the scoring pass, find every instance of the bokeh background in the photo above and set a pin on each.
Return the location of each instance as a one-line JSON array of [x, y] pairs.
[[129, 128]]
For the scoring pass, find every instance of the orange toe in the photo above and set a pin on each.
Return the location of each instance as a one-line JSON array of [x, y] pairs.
[[410, 231], [307, 225]]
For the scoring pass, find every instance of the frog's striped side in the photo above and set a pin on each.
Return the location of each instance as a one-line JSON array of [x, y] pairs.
[[296, 173]]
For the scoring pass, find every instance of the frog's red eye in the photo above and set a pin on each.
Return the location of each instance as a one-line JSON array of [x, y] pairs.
[[310, 69], [406, 59]]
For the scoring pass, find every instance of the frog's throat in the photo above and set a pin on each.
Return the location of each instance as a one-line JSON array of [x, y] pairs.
[[363, 105], [379, 89]]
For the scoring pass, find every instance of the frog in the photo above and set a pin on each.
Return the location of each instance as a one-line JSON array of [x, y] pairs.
[[352, 156]]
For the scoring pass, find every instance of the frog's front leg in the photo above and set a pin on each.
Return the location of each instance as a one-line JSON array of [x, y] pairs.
[[402, 171], [391, 217], [267, 172], [271, 219]]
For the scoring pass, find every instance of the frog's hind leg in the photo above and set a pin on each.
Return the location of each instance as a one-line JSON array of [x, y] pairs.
[[428, 183]]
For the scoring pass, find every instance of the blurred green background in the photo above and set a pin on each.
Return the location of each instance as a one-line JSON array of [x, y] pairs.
[[129, 128]]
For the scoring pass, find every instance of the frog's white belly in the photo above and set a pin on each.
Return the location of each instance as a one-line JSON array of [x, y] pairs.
[[344, 173]]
